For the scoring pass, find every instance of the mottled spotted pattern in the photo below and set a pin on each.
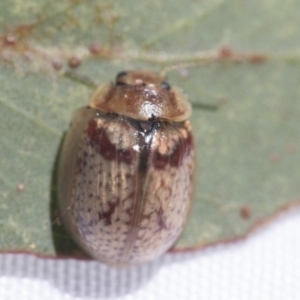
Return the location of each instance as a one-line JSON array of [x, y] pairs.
[[130, 185]]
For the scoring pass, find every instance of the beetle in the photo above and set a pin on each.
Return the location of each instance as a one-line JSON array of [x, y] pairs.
[[126, 169]]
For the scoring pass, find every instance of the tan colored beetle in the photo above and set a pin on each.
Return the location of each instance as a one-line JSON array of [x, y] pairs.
[[126, 169]]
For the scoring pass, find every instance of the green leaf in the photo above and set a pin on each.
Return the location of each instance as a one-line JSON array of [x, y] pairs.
[[245, 58]]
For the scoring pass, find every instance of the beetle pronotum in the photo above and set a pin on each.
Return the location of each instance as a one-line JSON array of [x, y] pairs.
[[126, 169]]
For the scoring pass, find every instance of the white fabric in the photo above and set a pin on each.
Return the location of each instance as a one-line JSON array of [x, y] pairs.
[[264, 267]]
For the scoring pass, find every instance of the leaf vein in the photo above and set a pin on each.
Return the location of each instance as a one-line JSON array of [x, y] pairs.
[[29, 117]]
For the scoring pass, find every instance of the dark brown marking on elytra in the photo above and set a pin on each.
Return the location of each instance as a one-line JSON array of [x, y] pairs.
[[160, 161], [181, 150], [99, 139], [106, 216], [161, 219], [130, 210]]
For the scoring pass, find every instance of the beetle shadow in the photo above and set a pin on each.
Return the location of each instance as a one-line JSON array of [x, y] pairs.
[[94, 280], [80, 268], [83, 279]]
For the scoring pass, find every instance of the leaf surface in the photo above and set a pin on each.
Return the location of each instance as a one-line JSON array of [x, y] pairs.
[[248, 149]]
